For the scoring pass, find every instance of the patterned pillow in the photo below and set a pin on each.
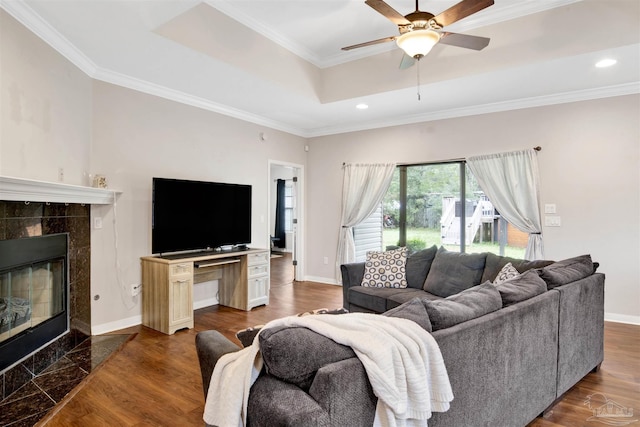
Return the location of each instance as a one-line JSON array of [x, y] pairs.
[[507, 272], [385, 269]]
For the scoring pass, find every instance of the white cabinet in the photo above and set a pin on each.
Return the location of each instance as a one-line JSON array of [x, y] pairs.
[[258, 278]]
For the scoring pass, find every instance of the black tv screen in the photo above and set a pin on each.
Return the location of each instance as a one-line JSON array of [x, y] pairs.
[[197, 215]]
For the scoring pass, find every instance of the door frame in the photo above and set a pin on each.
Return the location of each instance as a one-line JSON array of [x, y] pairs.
[[300, 229]]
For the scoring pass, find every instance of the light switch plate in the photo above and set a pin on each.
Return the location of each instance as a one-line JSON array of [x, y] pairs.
[[552, 221], [550, 208]]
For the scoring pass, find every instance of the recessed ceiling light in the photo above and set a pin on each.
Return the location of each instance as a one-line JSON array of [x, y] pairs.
[[605, 63], [362, 106]]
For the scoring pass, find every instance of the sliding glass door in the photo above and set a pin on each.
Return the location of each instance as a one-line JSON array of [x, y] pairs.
[[438, 204]]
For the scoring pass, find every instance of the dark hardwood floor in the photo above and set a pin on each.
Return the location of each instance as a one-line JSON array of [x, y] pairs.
[[155, 379]]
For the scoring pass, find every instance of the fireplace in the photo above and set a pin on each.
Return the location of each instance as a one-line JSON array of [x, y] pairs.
[[21, 221], [33, 294]]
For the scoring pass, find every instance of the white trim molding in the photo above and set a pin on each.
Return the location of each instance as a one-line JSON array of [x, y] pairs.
[[30, 190], [116, 325], [622, 318]]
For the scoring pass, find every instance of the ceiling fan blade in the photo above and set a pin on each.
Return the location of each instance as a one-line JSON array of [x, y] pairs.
[[406, 62], [390, 13], [461, 10], [464, 40], [369, 43]]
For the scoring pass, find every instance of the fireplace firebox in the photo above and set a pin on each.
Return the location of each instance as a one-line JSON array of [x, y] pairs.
[[33, 294]]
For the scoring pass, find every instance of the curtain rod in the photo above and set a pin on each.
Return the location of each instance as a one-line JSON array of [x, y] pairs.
[[536, 148]]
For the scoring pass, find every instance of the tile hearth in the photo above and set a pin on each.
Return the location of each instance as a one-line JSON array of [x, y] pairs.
[[35, 399]]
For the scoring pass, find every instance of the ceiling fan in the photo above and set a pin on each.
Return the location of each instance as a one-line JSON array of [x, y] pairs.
[[420, 31]]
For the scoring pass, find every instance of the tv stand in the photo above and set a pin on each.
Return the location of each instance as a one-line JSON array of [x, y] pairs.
[[167, 284]]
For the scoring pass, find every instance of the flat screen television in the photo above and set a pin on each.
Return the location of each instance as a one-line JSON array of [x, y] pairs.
[[198, 215]]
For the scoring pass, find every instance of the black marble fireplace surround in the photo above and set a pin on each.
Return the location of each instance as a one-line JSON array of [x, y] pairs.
[[23, 219]]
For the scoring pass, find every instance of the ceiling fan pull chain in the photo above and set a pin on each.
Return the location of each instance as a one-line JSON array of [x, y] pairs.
[[418, 71]]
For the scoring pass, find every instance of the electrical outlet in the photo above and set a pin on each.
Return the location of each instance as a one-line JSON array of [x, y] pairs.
[[325, 260], [135, 289], [97, 222]]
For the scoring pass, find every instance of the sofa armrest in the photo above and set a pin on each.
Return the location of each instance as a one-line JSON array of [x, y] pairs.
[[273, 402], [343, 390], [352, 275], [211, 346]]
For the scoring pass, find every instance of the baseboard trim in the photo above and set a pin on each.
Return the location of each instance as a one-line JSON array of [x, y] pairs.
[[205, 303], [622, 318], [325, 280], [116, 325]]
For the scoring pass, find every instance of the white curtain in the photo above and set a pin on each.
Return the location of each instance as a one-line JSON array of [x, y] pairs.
[[511, 181], [363, 187]]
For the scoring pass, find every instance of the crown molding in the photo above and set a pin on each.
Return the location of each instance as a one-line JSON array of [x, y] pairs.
[[496, 107], [150, 88], [41, 28]]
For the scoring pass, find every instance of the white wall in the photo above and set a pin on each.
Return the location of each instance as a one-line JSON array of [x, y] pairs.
[[138, 136], [45, 109], [589, 167]]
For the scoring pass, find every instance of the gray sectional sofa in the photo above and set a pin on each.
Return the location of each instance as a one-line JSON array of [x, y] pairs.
[[511, 350]]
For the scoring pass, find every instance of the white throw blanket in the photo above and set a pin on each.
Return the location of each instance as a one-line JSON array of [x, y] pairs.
[[402, 360]]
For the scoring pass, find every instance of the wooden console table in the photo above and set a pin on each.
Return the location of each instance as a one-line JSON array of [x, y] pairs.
[[167, 284]]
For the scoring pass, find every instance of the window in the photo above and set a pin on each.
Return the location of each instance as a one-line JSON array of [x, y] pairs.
[[441, 204], [288, 206]]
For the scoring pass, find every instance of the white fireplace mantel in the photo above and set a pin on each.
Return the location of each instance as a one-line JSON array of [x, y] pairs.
[[29, 190]]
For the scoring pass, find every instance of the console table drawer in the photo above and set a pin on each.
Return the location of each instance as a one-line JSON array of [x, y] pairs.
[[258, 270], [185, 268], [258, 258]]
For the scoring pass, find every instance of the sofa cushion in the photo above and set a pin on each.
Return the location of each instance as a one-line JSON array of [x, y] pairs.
[[522, 287], [466, 305], [294, 354], [567, 271], [495, 263], [374, 299], [408, 294], [414, 310], [507, 272], [385, 269], [453, 272], [418, 266]]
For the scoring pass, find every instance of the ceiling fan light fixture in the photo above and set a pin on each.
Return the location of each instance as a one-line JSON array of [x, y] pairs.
[[418, 43]]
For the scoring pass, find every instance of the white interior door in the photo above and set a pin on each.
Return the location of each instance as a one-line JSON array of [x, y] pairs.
[[292, 174]]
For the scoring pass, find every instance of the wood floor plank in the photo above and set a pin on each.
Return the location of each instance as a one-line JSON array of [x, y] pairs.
[[155, 379]]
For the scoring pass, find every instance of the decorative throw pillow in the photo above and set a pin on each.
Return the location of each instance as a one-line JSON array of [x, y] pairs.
[[453, 272], [507, 272], [294, 354], [522, 287], [247, 335], [414, 310], [567, 271], [385, 269], [467, 305], [495, 263]]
